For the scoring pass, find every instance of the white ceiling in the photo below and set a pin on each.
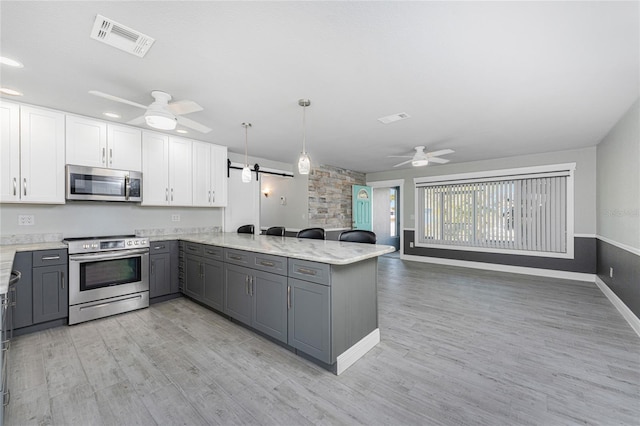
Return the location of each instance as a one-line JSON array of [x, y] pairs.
[[487, 79]]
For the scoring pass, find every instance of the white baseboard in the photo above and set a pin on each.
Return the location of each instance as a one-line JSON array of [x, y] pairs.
[[631, 318], [577, 276], [357, 351]]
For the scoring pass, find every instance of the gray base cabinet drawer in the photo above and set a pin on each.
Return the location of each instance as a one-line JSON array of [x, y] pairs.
[[193, 248], [310, 271], [270, 263], [159, 247], [213, 252], [49, 257], [239, 257]]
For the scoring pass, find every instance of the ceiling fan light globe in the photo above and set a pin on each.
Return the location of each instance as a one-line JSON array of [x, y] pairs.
[[420, 163], [161, 121], [246, 174], [304, 164]]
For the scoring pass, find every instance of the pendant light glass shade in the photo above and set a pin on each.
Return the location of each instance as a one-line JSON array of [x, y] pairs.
[[304, 163], [246, 170], [246, 174]]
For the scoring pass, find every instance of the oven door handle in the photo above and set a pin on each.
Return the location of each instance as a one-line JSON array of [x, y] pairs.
[[106, 256]]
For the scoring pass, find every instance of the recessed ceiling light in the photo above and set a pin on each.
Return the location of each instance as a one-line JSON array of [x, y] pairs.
[[181, 131], [11, 92], [10, 62], [111, 114], [395, 117]]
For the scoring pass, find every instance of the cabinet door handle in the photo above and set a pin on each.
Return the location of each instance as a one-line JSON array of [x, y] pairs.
[[288, 297], [153, 267], [62, 279], [24, 182], [235, 257], [202, 270], [209, 196], [265, 263], [213, 195], [110, 155], [246, 284], [253, 286], [211, 252], [50, 257], [166, 194], [104, 150], [158, 247], [306, 271], [15, 186], [171, 194]]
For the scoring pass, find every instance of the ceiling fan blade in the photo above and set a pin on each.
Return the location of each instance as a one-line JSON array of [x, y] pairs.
[[400, 156], [137, 120], [439, 153], [438, 160], [184, 107], [403, 163], [193, 125], [117, 99]]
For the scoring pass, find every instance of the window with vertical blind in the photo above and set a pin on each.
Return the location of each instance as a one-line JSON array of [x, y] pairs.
[[525, 211]]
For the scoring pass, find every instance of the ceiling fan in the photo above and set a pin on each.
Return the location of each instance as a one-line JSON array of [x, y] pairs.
[[421, 158], [161, 114]]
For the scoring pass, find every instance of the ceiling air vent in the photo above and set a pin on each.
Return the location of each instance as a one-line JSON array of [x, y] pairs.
[[121, 37], [395, 117]]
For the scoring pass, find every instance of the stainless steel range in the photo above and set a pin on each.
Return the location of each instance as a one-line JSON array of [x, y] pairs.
[[107, 276]]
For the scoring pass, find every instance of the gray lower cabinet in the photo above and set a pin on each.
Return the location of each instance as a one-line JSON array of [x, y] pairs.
[[50, 289], [163, 268], [258, 299], [310, 318], [203, 275]]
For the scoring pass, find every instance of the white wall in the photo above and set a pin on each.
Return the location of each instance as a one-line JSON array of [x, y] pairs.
[[294, 214], [585, 180], [78, 219], [618, 181]]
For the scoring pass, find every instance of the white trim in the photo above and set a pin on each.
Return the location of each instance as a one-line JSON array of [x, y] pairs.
[[619, 245], [585, 235], [567, 275], [347, 358], [551, 254], [486, 175], [628, 315]]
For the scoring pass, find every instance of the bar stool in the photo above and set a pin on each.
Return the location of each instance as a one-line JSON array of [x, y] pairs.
[[313, 233], [358, 236], [275, 230], [246, 229]]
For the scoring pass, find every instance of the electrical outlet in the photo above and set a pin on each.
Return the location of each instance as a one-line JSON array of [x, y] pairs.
[[411, 244], [283, 200], [26, 220], [175, 218], [611, 272]]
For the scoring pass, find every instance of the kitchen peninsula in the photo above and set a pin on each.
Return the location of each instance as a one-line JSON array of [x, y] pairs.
[[316, 297]]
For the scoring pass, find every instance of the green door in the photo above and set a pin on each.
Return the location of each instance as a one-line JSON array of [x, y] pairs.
[[361, 207]]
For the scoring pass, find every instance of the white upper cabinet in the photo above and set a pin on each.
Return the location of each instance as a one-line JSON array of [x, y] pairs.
[[10, 158], [166, 170], [209, 175], [32, 155], [95, 143]]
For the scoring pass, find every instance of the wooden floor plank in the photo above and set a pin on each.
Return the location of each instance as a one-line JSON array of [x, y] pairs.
[[458, 346]]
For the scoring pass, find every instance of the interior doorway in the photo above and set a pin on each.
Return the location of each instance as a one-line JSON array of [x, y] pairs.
[[386, 214]]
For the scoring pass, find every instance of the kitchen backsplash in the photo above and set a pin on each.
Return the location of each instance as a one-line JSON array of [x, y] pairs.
[[157, 232]]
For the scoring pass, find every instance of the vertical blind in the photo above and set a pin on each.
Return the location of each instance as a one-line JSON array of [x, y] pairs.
[[508, 213]]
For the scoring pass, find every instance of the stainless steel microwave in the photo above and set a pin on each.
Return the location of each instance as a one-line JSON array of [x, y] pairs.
[[98, 184]]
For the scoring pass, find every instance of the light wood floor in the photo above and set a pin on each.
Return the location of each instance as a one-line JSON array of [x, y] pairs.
[[459, 347]]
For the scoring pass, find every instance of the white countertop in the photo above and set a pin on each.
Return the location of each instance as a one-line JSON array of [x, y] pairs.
[[323, 251]]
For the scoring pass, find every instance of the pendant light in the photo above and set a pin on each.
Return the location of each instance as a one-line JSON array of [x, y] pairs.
[[246, 171], [304, 164]]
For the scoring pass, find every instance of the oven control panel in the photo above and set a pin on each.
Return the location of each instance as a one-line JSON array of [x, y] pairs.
[[106, 244]]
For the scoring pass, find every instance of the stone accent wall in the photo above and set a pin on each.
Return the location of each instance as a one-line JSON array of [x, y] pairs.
[[330, 196]]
